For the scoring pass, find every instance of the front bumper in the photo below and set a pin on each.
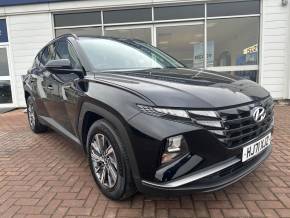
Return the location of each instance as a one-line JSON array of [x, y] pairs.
[[211, 178], [216, 166]]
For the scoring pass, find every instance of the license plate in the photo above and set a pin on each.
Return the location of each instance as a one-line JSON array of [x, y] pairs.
[[255, 148]]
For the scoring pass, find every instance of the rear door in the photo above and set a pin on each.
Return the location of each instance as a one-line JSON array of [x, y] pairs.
[[37, 83]]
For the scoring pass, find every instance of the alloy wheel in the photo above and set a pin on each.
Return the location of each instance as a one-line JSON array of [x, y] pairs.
[[104, 160]]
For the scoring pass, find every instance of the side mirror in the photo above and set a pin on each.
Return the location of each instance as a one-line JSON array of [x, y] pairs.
[[63, 66], [59, 64]]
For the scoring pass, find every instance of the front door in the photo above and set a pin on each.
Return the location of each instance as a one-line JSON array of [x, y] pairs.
[[51, 83], [63, 97], [6, 99]]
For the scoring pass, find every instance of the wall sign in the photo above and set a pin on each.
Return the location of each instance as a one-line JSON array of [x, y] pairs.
[[251, 49], [3, 31], [198, 54]]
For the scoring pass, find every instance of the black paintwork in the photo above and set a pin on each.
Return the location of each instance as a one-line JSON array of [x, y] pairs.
[[66, 102]]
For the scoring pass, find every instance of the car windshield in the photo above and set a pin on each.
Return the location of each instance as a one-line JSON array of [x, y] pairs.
[[113, 55]]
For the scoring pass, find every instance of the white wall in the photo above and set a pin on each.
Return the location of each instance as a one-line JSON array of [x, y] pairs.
[[27, 35], [275, 48]]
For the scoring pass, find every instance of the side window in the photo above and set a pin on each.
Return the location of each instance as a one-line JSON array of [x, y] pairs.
[[36, 62], [44, 56], [64, 50], [47, 55]]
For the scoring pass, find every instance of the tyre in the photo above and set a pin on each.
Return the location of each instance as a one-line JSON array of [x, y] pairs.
[[33, 121], [108, 161]]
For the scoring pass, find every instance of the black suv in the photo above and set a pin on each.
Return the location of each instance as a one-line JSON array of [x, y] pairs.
[[145, 121]]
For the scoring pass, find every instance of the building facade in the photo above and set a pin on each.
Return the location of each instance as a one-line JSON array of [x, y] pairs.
[[248, 38]]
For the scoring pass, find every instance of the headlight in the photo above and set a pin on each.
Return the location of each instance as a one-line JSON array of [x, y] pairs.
[[173, 112], [204, 113], [156, 111], [199, 117], [209, 123]]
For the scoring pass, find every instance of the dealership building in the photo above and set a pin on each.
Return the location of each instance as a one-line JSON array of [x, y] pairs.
[[248, 38]]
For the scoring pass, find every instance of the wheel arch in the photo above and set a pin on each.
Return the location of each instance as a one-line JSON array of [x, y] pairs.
[[90, 113]]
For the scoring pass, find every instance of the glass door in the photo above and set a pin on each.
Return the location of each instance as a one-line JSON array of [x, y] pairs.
[[5, 84]]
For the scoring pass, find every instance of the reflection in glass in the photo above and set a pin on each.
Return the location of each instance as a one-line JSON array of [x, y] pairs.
[[233, 41], [116, 55], [4, 70], [185, 43], [89, 31], [143, 34], [250, 74], [5, 92]]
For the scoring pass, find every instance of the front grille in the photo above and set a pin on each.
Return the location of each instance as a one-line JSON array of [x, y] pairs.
[[236, 126]]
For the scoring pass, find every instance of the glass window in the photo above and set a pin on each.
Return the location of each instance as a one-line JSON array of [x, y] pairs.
[[47, 54], [5, 92], [233, 41], [185, 43], [4, 69], [178, 12], [64, 50], [143, 34], [36, 61], [44, 56], [87, 31], [233, 8], [77, 19], [128, 15], [114, 55], [3, 31], [250, 74]]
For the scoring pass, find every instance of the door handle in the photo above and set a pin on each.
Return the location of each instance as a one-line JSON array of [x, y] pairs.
[[50, 87]]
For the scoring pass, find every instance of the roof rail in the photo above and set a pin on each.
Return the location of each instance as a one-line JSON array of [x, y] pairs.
[[68, 35]]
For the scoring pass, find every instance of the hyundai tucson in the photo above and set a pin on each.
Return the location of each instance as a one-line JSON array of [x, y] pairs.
[[145, 121]]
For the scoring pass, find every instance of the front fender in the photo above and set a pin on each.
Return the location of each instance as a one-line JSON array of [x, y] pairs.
[[120, 125]]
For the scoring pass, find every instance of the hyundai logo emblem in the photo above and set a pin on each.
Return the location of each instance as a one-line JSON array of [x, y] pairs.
[[259, 114]]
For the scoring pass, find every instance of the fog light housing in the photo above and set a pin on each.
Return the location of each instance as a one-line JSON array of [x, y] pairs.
[[174, 147]]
